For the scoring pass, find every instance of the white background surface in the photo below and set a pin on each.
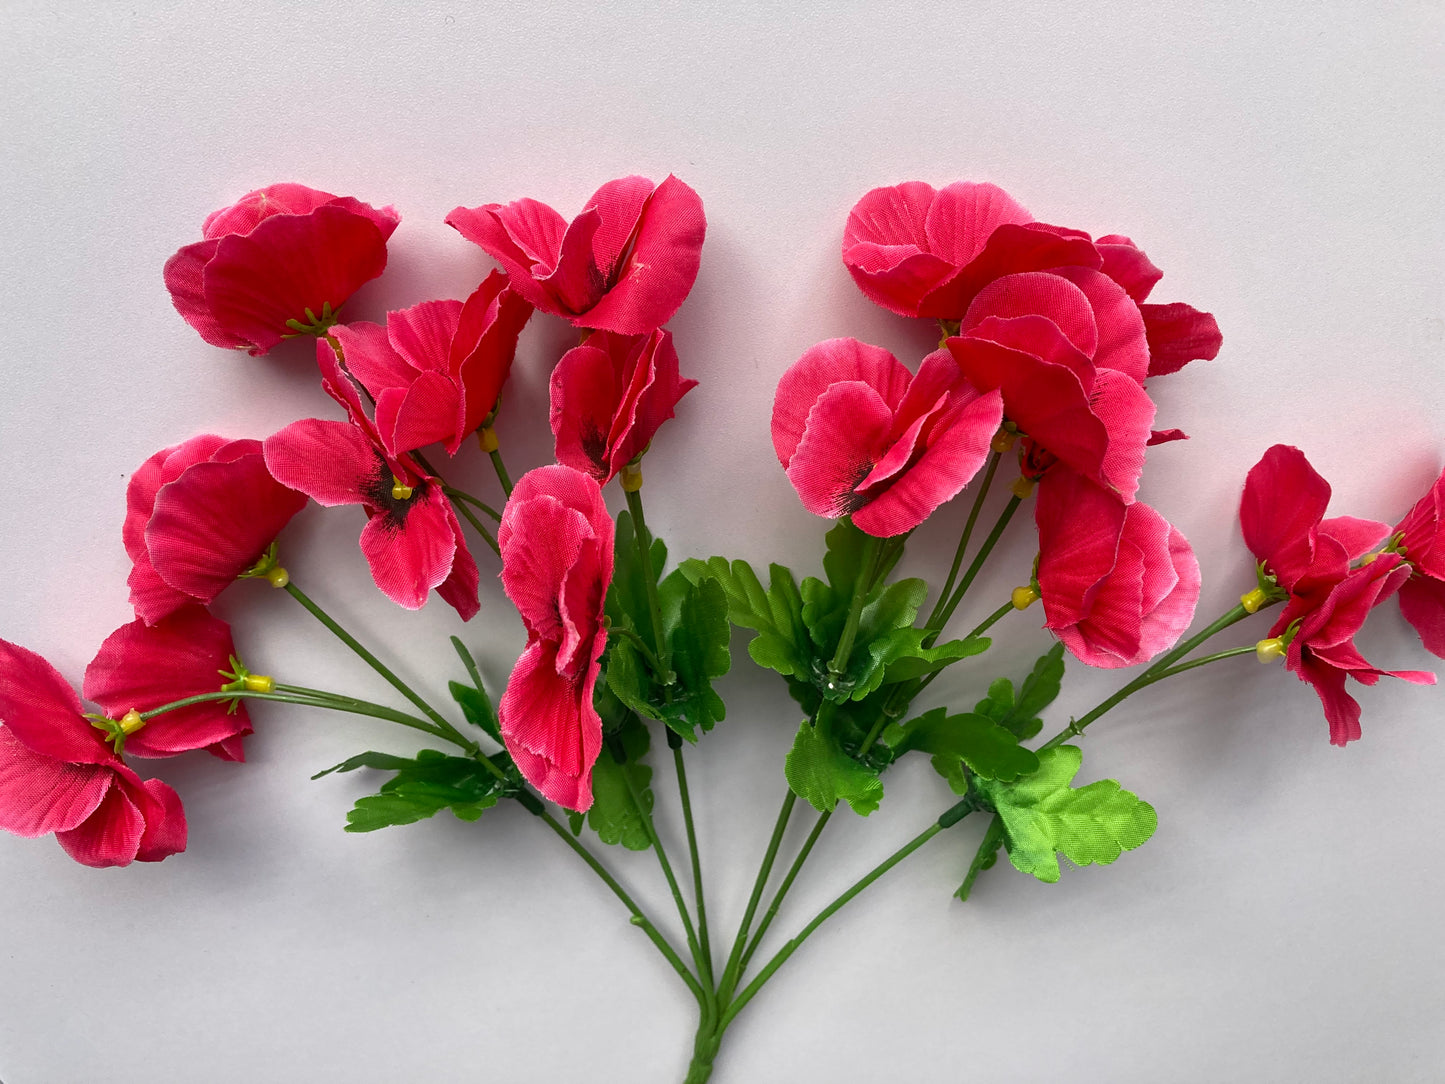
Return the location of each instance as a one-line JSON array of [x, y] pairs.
[[1281, 162]]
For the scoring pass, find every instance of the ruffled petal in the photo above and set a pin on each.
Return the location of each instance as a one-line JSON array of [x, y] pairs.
[[550, 727], [423, 334], [524, 237], [491, 321], [1121, 344], [40, 795], [1284, 500], [1422, 603], [584, 395], [1127, 413], [370, 358], [963, 216], [1358, 536], [462, 587], [411, 546], [1012, 248], [185, 279], [1179, 334], [41, 710], [843, 438], [166, 829], [1127, 265], [333, 463], [830, 362], [110, 836]]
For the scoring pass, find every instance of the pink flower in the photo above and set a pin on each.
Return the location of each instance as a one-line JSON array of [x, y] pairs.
[[412, 540], [198, 515], [860, 435], [436, 369], [925, 252], [1421, 541], [140, 667], [556, 541], [624, 264], [1118, 583], [610, 396], [58, 774], [1282, 516], [279, 261]]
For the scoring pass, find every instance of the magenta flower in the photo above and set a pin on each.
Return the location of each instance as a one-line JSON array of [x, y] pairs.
[[1282, 516], [58, 774], [1119, 584], [610, 396], [1421, 541], [198, 515], [436, 369], [280, 260], [412, 540], [624, 264], [556, 541], [860, 435], [140, 667]]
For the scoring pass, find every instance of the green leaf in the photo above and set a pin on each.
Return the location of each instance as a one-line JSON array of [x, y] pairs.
[[990, 751], [885, 634], [984, 858], [476, 705], [575, 821], [627, 678], [614, 815], [774, 613], [1044, 817], [925, 660], [384, 761], [627, 596], [1020, 713], [821, 772], [695, 615], [425, 785]]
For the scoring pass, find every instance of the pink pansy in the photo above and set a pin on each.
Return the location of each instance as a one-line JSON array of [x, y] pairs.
[[1420, 539], [860, 435], [412, 539], [1118, 583], [624, 264], [140, 667], [198, 515], [436, 369], [1282, 518], [556, 541], [925, 252], [281, 256], [58, 774], [610, 396]]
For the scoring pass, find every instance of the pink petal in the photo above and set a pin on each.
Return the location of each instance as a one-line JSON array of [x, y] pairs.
[[525, 237], [411, 546], [1080, 525], [1179, 334], [215, 520], [885, 247], [256, 282], [185, 279], [1038, 293], [843, 438], [654, 278], [576, 283], [41, 710], [1358, 536], [1172, 583], [423, 334], [1011, 249], [250, 210], [110, 836], [370, 357], [40, 795], [963, 217], [492, 319], [584, 394], [427, 413], [1122, 344], [461, 589], [540, 541], [1284, 499], [1127, 413], [166, 828], [658, 387], [331, 462], [142, 667], [1127, 265], [831, 362], [550, 727], [1342, 711], [620, 205], [1422, 603], [1164, 436]]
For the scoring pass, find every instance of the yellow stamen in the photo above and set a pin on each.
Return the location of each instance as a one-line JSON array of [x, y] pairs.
[[1024, 597], [631, 477], [260, 683], [278, 577], [131, 721], [1253, 600], [487, 439], [1023, 487], [1269, 650], [400, 491]]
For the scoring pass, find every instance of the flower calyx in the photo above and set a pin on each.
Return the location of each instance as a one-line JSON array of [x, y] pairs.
[[267, 567], [1276, 647], [487, 437], [1266, 591], [239, 679], [631, 476], [117, 730], [313, 324]]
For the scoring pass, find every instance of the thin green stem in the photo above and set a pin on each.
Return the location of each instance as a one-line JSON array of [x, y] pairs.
[[992, 469], [1007, 514], [982, 627], [642, 537], [702, 932], [284, 696], [777, 901], [445, 728], [947, 820], [867, 572], [628, 633], [638, 917], [471, 517], [736, 961], [501, 469], [1234, 652], [461, 495]]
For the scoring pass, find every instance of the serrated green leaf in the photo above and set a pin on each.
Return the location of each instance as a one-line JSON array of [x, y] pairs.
[[926, 660], [477, 707], [885, 634], [774, 613], [821, 773], [425, 785], [990, 751], [575, 821], [614, 815], [1044, 817], [1020, 713], [383, 761], [696, 616], [627, 678], [627, 596]]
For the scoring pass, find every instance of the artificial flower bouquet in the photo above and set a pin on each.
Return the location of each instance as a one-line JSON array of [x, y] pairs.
[[1048, 344]]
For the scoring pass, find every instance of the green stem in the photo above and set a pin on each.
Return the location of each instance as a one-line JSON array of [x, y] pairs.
[[993, 462], [777, 900], [867, 571], [285, 695], [705, 944], [461, 495], [948, 819], [1234, 652], [471, 517], [638, 917], [733, 970], [937, 623], [501, 469], [628, 633], [445, 728], [1159, 670], [982, 627]]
